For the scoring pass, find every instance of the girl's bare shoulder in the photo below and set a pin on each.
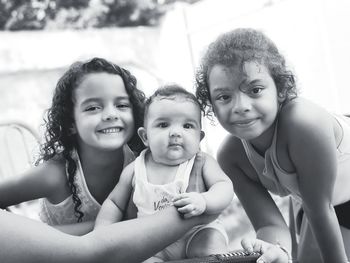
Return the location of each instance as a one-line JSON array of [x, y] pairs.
[[231, 149], [54, 172], [305, 119], [302, 113]]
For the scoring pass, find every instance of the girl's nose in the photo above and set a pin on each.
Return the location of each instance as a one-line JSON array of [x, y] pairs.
[[110, 113], [242, 103]]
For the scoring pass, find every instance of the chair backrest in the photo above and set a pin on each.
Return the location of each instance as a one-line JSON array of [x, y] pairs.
[[18, 145]]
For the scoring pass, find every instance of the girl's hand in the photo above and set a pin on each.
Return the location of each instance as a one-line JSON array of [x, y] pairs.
[[269, 253], [190, 204]]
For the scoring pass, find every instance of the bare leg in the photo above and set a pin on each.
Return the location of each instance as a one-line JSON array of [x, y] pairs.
[[346, 238], [153, 260], [206, 242]]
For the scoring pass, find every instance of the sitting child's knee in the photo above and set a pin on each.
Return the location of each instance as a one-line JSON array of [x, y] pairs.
[[207, 242]]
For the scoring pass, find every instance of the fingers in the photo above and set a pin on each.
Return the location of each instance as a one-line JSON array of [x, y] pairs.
[[186, 209], [251, 245], [247, 244], [181, 200], [190, 204], [268, 256], [191, 214], [189, 211], [269, 253], [273, 254]]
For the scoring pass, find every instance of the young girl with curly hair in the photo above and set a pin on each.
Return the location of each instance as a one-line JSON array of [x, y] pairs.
[[278, 143], [90, 137]]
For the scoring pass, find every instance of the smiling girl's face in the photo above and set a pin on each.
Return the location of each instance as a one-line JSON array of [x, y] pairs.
[[103, 113], [244, 98]]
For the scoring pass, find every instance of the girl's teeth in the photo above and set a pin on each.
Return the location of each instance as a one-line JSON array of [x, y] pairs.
[[114, 130]]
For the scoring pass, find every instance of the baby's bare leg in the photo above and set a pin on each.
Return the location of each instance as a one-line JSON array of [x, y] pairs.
[[153, 260], [346, 238], [206, 242]]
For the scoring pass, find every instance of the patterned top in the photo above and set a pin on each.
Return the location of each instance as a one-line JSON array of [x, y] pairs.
[[63, 212]]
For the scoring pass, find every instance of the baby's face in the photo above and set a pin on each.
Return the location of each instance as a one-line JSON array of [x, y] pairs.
[[173, 130]]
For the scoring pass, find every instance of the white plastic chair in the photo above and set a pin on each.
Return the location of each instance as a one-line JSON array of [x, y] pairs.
[[18, 145], [18, 142]]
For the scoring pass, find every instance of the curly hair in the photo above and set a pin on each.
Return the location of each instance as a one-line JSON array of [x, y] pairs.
[[236, 48], [59, 139]]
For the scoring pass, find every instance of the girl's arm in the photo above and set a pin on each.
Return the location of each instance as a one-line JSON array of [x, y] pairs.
[[313, 153], [261, 209], [114, 206], [25, 240], [44, 180]]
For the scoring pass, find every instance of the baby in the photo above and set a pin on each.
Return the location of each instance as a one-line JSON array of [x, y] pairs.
[[159, 177]]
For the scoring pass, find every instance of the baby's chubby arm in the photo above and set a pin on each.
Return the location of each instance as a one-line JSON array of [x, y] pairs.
[[213, 201], [113, 207]]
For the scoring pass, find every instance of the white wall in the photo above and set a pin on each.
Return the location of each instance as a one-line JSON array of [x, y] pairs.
[[314, 36]]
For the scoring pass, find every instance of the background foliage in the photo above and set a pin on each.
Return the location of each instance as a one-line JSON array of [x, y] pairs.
[[80, 14]]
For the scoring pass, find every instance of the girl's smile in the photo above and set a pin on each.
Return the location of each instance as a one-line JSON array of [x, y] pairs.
[[111, 130], [103, 112], [244, 123], [244, 99]]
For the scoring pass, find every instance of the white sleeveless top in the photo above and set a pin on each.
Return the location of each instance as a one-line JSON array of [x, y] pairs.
[[63, 212], [150, 198]]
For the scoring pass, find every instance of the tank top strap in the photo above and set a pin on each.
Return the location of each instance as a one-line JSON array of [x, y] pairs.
[[129, 155], [140, 167], [83, 190], [184, 171], [255, 159], [273, 148]]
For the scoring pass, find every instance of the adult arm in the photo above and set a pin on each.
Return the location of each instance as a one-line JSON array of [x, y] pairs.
[[25, 240], [313, 153]]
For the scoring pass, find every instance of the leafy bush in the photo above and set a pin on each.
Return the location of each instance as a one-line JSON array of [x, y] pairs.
[[49, 14]]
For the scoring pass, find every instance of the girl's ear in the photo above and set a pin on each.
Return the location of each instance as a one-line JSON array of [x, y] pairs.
[[72, 130], [213, 110], [281, 97], [143, 135]]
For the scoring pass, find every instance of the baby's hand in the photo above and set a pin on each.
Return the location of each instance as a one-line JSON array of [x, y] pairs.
[[270, 253], [190, 204]]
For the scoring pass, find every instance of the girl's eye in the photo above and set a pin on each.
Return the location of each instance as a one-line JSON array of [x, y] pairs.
[[223, 97], [162, 125], [188, 126], [92, 108], [255, 90], [123, 106]]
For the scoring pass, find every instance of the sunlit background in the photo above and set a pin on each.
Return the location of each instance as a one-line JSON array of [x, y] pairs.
[[162, 41]]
